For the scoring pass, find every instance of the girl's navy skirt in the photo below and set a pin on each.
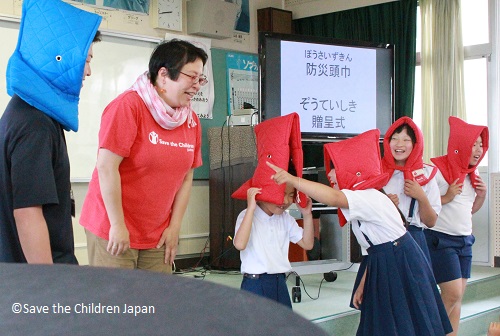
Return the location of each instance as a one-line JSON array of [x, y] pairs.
[[400, 295], [419, 237]]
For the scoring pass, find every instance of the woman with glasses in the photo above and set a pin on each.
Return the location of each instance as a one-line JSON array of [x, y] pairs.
[[149, 145]]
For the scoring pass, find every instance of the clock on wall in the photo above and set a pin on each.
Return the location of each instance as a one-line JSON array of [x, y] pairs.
[[169, 14]]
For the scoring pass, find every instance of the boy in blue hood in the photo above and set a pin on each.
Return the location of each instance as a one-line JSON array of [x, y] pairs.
[[44, 78]]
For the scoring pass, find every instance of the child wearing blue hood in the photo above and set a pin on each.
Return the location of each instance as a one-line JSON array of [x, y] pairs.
[[44, 78]]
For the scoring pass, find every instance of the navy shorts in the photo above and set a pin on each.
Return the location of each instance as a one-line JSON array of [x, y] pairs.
[[271, 286], [451, 256]]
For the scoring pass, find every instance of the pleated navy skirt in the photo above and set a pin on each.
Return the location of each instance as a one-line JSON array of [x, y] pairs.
[[419, 237], [400, 295]]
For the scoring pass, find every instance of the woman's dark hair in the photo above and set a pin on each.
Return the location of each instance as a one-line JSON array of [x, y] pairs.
[[173, 55], [409, 131], [97, 37]]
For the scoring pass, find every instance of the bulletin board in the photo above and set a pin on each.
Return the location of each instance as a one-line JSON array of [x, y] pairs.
[[118, 61]]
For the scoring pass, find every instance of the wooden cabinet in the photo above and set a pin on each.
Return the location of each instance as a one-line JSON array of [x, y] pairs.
[[223, 213], [232, 163]]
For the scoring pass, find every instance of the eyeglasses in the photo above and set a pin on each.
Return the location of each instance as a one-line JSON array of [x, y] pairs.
[[196, 79]]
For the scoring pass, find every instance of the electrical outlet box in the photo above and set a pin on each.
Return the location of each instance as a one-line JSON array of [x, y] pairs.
[[240, 120]]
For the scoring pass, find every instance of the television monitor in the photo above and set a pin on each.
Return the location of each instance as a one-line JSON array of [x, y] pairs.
[[339, 88]]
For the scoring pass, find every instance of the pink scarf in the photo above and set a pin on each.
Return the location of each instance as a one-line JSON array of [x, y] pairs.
[[167, 117]]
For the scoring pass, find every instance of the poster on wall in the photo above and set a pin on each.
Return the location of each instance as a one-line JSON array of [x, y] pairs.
[[203, 102], [242, 81], [242, 23]]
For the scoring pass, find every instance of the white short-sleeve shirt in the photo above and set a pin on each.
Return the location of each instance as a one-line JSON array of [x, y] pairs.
[[267, 247], [455, 217], [373, 213], [431, 189]]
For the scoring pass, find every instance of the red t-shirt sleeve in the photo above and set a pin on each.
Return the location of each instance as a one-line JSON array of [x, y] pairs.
[[119, 125]]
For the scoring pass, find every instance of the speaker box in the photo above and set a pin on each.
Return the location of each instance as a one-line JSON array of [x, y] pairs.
[[274, 20], [211, 18]]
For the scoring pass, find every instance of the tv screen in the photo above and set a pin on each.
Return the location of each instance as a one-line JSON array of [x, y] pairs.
[[339, 88]]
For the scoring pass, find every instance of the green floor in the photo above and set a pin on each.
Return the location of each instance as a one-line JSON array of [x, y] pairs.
[[327, 303]]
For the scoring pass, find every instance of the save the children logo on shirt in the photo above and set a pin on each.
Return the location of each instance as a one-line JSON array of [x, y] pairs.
[[155, 139], [419, 175]]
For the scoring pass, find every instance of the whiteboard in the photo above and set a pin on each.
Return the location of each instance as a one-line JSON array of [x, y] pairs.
[[116, 65], [8, 32], [118, 60]]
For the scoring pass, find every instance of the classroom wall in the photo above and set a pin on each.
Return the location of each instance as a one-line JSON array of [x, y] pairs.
[[141, 25]]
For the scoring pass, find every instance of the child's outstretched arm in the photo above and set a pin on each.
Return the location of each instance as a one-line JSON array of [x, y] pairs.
[[394, 198], [481, 189], [494, 329], [307, 241], [242, 236], [318, 191]]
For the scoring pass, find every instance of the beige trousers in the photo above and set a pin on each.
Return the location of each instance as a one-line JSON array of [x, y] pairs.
[[149, 259]]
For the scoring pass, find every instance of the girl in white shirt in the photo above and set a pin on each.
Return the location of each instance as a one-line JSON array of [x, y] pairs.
[[397, 294], [412, 186], [462, 194]]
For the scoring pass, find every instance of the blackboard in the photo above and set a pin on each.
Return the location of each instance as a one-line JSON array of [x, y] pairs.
[[118, 60]]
